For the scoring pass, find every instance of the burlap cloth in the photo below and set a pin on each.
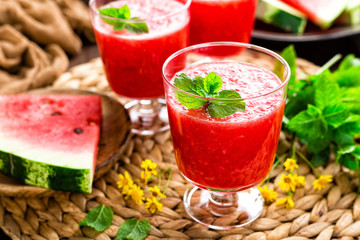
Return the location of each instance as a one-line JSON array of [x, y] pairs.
[[35, 38], [332, 213]]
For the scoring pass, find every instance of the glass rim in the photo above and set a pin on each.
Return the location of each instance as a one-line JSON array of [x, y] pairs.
[[237, 44], [139, 20]]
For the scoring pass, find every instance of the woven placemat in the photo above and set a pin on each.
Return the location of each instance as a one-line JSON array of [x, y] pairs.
[[332, 213]]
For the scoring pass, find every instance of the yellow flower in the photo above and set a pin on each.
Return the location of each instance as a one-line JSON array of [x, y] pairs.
[[269, 195], [149, 168], [286, 202], [136, 193], [145, 176], [125, 183], [290, 164], [322, 181], [155, 191], [299, 180], [153, 204], [287, 183]]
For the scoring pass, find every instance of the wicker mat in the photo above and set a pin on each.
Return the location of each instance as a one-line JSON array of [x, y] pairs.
[[332, 213]]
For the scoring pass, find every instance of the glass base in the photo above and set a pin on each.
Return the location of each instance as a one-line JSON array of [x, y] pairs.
[[223, 210], [148, 117]]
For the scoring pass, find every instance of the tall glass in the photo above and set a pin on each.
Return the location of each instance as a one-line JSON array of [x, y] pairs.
[[133, 61], [224, 158], [222, 20]]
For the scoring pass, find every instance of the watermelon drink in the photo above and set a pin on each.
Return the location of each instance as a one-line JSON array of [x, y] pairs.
[[225, 157], [222, 20], [132, 60]]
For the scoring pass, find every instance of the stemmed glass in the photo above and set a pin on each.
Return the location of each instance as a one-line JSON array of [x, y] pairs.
[[232, 20], [132, 60], [226, 157]]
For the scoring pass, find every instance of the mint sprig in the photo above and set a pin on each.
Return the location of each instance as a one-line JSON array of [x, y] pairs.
[[99, 218], [133, 229], [122, 13], [208, 87]]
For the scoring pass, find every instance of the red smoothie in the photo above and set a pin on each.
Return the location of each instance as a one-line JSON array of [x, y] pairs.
[[235, 152], [222, 20], [133, 62]]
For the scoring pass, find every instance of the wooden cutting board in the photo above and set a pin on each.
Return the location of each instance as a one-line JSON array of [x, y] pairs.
[[114, 137]]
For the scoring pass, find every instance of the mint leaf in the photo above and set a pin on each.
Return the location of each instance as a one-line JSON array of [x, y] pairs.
[[349, 156], [133, 229], [187, 84], [212, 83], [335, 114], [189, 101], [137, 27], [348, 77], [98, 218], [122, 13], [327, 91], [321, 158], [208, 87], [309, 123], [220, 109], [349, 61], [289, 54], [351, 125]]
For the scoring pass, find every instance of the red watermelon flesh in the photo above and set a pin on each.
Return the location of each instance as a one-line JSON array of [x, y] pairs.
[[54, 134], [321, 12]]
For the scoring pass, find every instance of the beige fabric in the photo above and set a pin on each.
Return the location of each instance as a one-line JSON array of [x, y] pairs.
[[41, 21], [78, 16], [24, 65]]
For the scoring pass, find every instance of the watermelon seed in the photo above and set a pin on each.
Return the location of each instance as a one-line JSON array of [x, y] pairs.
[[78, 130], [55, 113]]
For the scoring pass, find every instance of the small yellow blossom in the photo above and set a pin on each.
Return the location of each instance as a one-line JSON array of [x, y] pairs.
[[155, 191], [136, 193], [125, 183], [286, 202], [153, 204], [322, 181], [149, 167], [145, 176], [269, 195], [290, 164], [287, 183], [299, 180]]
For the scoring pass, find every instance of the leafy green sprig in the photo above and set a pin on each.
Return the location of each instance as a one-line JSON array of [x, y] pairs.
[[118, 24], [100, 218], [208, 87], [323, 111]]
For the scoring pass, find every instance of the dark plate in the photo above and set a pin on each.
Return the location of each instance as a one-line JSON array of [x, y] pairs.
[[311, 34]]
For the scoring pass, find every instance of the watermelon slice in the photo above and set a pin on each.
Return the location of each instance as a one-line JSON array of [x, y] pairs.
[[50, 141], [321, 12]]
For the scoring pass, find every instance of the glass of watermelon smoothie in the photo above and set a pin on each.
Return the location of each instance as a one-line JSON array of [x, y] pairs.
[[133, 55], [222, 20], [225, 144]]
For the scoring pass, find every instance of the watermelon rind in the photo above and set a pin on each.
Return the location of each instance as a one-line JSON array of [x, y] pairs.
[[45, 175], [281, 15], [351, 15]]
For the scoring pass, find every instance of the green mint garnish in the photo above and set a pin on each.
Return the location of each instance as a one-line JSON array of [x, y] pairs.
[[208, 87], [133, 229], [99, 218], [122, 13]]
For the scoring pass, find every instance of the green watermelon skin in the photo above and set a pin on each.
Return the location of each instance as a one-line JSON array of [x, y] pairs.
[[50, 141], [45, 175], [321, 12]]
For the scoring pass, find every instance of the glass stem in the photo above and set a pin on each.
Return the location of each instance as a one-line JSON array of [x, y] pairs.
[[147, 110], [223, 203]]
